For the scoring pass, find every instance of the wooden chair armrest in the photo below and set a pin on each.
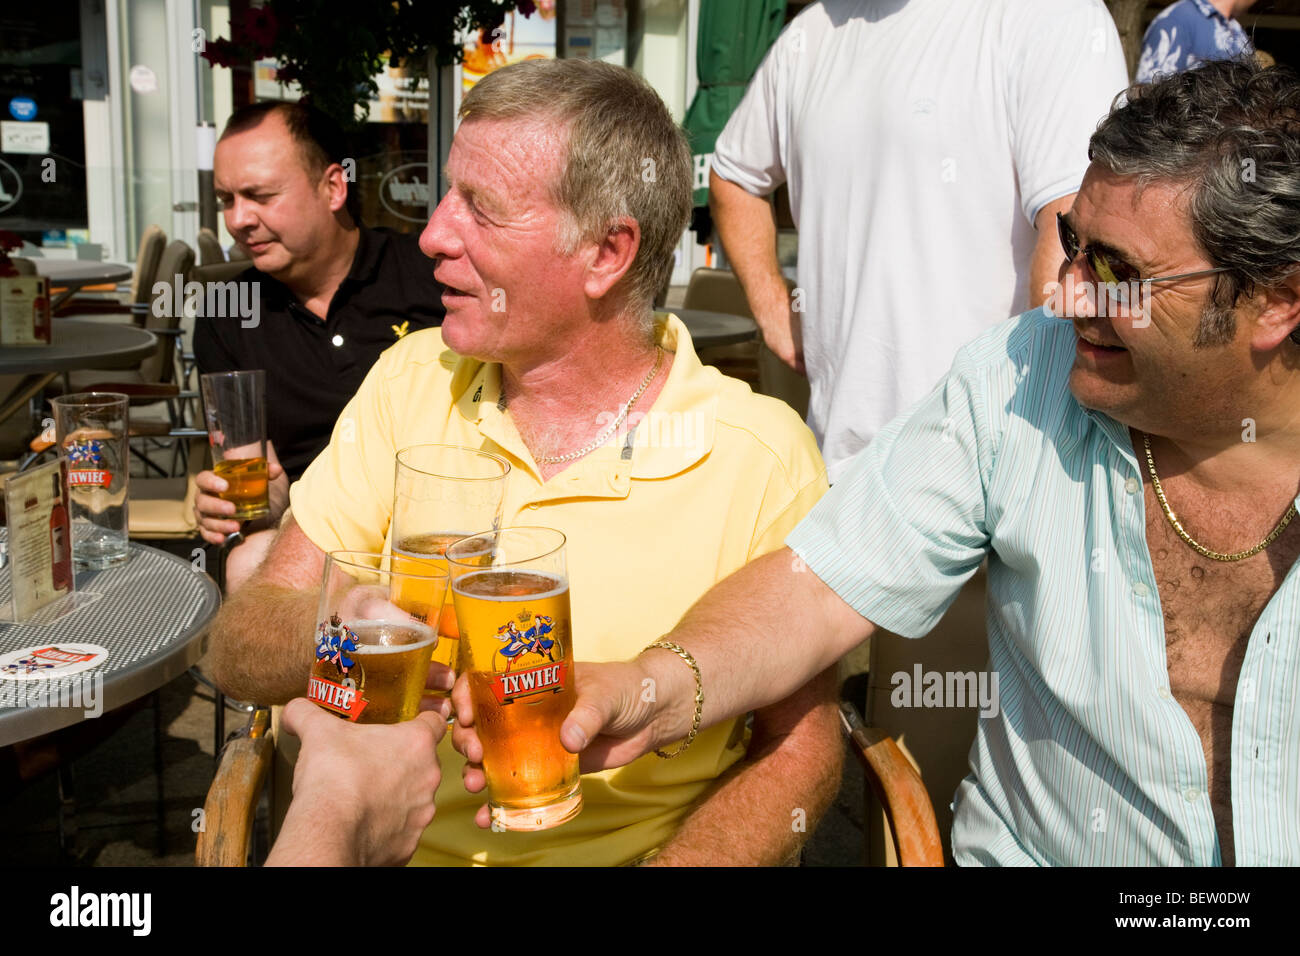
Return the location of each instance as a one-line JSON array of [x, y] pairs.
[[232, 799], [900, 790], [86, 306], [138, 391]]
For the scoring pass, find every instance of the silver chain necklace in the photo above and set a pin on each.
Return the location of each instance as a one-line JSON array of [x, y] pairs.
[[608, 432]]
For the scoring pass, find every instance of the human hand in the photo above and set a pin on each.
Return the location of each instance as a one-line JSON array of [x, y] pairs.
[[611, 724], [214, 514], [782, 328], [374, 782]]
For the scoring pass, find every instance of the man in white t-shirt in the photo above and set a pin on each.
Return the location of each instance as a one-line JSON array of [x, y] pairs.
[[928, 145]]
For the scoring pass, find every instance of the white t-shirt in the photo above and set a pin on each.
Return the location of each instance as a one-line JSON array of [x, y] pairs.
[[919, 140]]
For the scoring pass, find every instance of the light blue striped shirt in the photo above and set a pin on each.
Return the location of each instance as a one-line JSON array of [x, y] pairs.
[[1089, 760]]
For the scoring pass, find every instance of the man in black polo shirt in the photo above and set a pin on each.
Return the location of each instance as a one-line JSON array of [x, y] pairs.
[[332, 294]]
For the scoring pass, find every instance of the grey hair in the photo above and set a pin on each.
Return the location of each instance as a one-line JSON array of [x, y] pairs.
[[1230, 132], [625, 156]]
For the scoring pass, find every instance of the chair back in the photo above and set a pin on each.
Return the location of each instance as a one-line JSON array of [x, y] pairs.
[[147, 264], [165, 312], [210, 251], [937, 739]]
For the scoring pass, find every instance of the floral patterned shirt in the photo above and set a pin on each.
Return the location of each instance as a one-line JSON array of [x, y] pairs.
[[1187, 34]]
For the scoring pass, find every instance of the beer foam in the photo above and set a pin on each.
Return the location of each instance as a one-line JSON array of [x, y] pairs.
[[367, 647], [469, 586]]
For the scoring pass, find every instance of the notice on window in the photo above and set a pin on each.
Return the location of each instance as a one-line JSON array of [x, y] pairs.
[[31, 137]]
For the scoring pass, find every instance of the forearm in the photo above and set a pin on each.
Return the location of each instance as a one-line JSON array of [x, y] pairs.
[[757, 637], [261, 647], [762, 810], [1045, 266], [747, 227], [304, 842]]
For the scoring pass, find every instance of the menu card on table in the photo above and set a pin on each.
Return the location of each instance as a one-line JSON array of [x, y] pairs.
[[40, 538], [24, 310]]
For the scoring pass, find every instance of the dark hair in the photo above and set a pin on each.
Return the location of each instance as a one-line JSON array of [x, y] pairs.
[[1230, 132], [321, 141]]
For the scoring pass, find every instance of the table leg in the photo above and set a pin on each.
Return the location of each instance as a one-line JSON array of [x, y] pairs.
[[159, 809], [67, 813]]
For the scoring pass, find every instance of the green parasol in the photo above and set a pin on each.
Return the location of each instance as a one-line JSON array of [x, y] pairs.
[[734, 37]]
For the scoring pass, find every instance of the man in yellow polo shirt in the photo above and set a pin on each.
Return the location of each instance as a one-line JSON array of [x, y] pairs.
[[569, 186]]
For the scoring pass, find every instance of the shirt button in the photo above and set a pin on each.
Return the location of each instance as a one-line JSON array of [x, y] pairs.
[[1131, 485], [1140, 589], [533, 506], [1163, 693], [337, 340], [1191, 794]]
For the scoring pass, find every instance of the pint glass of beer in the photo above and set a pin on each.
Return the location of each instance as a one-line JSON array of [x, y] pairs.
[[441, 493], [511, 592], [371, 657], [234, 405]]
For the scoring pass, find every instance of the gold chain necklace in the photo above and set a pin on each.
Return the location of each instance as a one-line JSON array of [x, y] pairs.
[[608, 433], [1177, 525]]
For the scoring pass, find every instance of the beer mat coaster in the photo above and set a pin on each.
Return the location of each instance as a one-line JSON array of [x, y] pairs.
[[53, 612], [44, 661]]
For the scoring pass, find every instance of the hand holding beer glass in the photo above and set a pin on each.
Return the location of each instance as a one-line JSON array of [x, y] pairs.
[[511, 591], [234, 405], [371, 656], [441, 493]]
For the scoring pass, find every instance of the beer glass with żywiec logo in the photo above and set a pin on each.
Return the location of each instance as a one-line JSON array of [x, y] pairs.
[[511, 591], [91, 431], [441, 493], [371, 657], [234, 404]]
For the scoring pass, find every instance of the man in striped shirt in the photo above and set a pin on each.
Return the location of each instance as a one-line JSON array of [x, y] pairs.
[[1130, 476]]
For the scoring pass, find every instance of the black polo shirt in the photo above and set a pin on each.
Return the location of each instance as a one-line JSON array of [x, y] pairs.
[[314, 366]]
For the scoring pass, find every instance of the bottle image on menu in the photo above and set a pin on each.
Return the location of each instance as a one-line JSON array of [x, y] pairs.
[[60, 540]]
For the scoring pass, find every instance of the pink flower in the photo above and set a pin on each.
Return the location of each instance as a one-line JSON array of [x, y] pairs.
[[261, 28]]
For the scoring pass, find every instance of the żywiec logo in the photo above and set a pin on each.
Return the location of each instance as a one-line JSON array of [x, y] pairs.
[[85, 461], [46, 659], [518, 645], [549, 678], [334, 643]]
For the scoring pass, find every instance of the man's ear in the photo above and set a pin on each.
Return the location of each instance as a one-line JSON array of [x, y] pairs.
[[335, 185], [1279, 315], [612, 257]]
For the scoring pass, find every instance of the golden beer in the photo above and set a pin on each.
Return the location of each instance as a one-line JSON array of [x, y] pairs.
[[422, 554], [515, 647], [372, 672], [247, 486]]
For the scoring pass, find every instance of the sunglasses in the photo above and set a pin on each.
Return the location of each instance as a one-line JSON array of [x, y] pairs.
[[1107, 266]]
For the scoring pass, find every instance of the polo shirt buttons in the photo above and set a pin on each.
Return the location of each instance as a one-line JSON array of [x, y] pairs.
[[1191, 794], [1163, 693], [1131, 485], [532, 506], [337, 340], [1140, 589]]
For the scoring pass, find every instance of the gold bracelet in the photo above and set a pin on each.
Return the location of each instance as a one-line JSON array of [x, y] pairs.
[[685, 655]]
